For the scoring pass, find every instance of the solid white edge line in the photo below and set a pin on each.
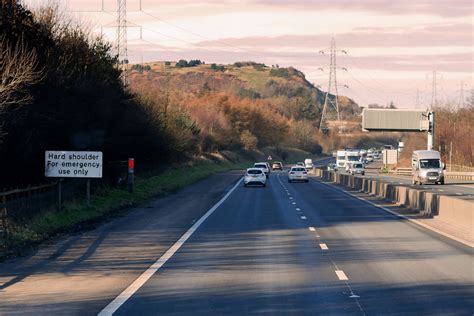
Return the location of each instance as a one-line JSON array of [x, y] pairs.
[[414, 221], [341, 275], [113, 306]]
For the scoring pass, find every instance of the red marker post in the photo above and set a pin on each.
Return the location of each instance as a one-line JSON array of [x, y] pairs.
[[130, 177]]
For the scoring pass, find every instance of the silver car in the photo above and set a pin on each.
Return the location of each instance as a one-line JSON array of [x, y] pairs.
[[298, 173], [356, 168]]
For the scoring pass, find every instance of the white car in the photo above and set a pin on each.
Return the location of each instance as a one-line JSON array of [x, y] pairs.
[[298, 173], [356, 168], [255, 176], [263, 166]]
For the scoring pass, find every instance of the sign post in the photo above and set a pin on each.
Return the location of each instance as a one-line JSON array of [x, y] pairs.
[[430, 130], [60, 191], [88, 192], [73, 164]]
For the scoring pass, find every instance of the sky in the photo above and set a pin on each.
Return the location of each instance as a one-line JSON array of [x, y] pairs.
[[387, 49]]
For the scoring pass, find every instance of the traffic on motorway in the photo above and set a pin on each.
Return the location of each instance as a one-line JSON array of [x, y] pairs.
[[426, 165], [258, 174], [220, 247]]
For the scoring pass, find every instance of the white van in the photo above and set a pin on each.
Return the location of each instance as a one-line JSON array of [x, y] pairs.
[[308, 164], [340, 159], [427, 167]]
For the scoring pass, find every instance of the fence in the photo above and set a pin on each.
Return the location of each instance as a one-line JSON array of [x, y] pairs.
[[17, 206], [401, 171], [459, 168], [465, 175]]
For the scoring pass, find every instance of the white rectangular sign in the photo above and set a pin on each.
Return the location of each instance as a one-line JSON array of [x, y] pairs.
[[390, 157], [73, 164], [395, 120]]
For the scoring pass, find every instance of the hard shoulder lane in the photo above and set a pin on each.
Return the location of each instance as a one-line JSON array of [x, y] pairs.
[[253, 255], [80, 274], [393, 266]]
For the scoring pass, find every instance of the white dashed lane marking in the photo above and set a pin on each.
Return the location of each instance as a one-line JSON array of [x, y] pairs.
[[303, 217], [341, 275], [312, 229], [323, 246], [294, 203], [298, 209]]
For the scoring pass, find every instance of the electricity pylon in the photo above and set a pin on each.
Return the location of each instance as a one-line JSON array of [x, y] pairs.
[[328, 103], [122, 54]]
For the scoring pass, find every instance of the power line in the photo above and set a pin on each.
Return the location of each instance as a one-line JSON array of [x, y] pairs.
[[374, 92], [260, 54]]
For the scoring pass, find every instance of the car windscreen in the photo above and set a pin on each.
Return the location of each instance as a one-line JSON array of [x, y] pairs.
[[358, 165], [352, 158], [261, 166], [298, 169], [254, 171], [429, 163], [341, 157]]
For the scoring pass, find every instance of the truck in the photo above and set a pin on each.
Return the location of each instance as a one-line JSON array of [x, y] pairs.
[[308, 164], [352, 155], [427, 167], [341, 159]]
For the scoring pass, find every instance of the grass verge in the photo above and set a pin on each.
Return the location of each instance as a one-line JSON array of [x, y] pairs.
[[76, 215]]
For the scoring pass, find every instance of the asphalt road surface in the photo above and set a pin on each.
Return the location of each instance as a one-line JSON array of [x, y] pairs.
[[456, 188], [287, 249]]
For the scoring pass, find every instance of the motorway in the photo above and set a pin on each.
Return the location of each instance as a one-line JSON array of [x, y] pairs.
[[299, 248], [457, 188]]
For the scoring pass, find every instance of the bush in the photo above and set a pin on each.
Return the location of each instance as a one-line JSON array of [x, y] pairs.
[[181, 63], [217, 67], [249, 93], [280, 72], [248, 140]]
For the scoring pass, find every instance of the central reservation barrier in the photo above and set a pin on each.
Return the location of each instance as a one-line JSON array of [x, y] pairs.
[[452, 210]]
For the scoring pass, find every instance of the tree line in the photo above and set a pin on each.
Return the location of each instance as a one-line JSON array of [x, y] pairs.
[[60, 90]]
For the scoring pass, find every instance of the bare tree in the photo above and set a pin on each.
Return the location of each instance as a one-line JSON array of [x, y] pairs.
[[18, 70]]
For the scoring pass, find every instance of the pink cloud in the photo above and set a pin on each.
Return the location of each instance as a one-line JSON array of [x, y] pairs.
[[439, 7], [427, 36]]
